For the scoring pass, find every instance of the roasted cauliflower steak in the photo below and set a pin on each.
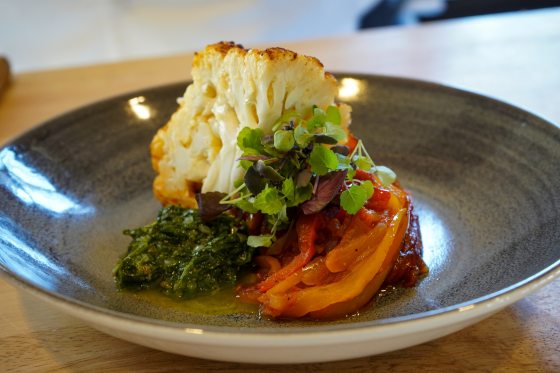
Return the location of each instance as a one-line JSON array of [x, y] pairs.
[[232, 87]]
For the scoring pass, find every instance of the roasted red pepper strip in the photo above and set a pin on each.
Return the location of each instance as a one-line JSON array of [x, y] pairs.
[[381, 195], [364, 175], [379, 200], [306, 228]]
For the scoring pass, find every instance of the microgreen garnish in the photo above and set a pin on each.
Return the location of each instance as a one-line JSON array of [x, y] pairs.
[[284, 140], [209, 205], [353, 198], [264, 240], [386, 175], [327, 188], [322, 160], [249, 140], [300, 165], [268, 201]]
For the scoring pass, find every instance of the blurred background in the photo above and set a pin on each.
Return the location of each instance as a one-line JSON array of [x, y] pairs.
[[39, 34]]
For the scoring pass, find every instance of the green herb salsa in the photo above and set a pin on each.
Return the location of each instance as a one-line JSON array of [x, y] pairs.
[[183, 256]]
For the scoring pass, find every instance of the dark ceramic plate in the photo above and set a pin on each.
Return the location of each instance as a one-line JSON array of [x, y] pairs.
[[484, 177]]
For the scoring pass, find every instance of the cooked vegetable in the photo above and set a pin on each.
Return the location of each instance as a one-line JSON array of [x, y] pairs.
[[307, 233], [182, 255]]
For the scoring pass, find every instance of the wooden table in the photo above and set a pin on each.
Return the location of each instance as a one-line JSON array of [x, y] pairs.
[[515, 58]]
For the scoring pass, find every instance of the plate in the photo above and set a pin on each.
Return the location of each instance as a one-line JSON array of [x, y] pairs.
[[483, 175]]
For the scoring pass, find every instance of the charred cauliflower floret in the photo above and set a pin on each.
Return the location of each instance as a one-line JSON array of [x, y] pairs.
[[232, 88]]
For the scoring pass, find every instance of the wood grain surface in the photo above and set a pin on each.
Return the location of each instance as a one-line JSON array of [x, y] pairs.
[[515, 58]]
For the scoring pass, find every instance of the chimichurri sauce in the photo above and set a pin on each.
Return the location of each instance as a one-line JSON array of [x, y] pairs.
[[183, 256]]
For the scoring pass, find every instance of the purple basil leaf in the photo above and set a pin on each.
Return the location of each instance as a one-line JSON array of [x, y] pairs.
[[341, 149], [209, 204], [254, 182], [267, 171], [253, 158], [324, 139], [328, 187]]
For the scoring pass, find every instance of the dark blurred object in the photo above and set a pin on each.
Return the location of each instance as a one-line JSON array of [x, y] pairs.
[[396, 12], [386, 13], [4, 74], [466, 8]]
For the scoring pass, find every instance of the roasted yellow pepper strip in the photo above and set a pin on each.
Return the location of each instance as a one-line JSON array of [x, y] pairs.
[[342, 309], [353, 284], [353, 244]]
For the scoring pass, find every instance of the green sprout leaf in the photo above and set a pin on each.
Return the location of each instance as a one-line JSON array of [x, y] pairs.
[[302, 136], [264, 240], [318, 119], [268, 201], [302, 194], [368, 186], [322, 160], [386, 175], [283, 215], [284, 140], [345, 164], [245, 164], [333, 115], [354, 198], [247, 205], [363, 163], [289, 189], [335, 131], [249, 140]]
